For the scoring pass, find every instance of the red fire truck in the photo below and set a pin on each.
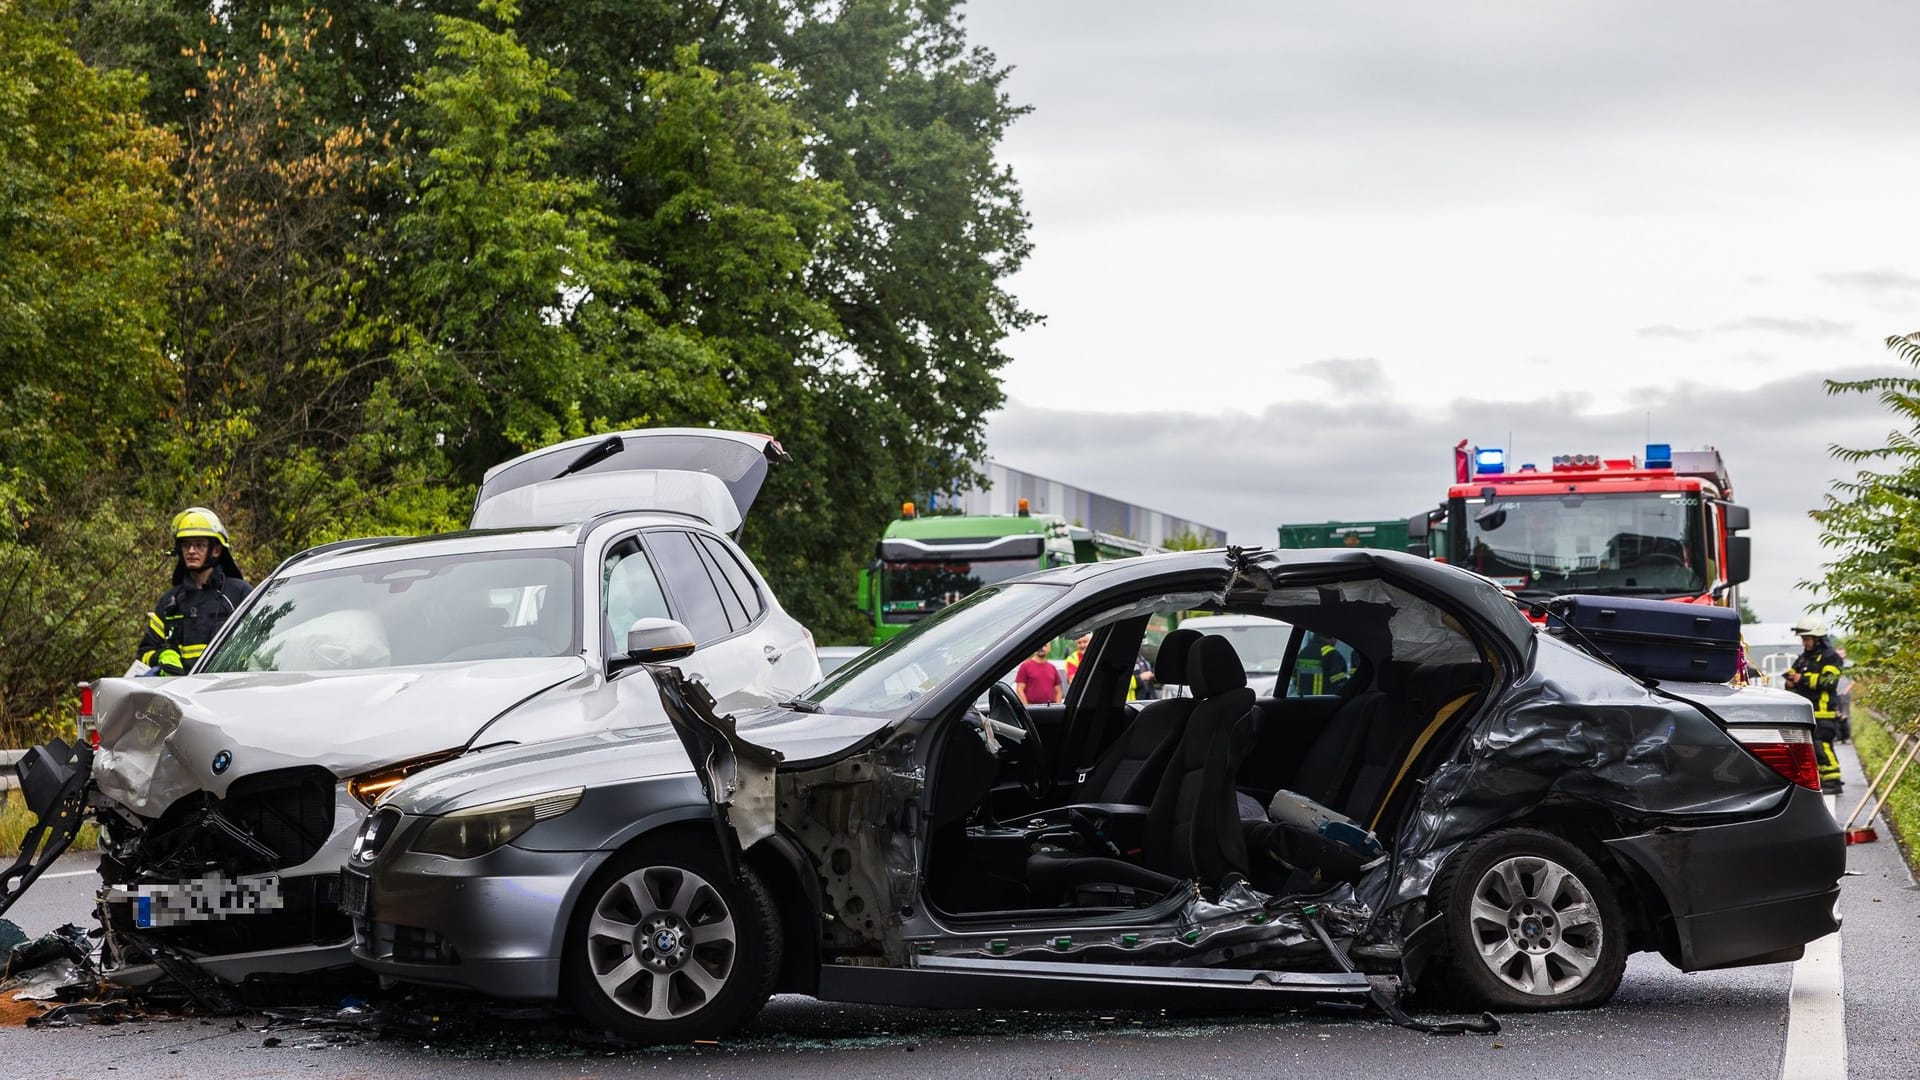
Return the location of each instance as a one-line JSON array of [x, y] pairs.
[[1660, 527]]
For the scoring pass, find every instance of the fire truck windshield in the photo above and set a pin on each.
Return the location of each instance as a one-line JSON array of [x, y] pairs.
[[911, 591], [1645, 543]]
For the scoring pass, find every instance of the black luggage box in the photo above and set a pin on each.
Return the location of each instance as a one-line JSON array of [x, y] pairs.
[[1654, 639]]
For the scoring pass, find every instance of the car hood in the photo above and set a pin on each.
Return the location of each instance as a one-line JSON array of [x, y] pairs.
[[615, 757], [161, 739]]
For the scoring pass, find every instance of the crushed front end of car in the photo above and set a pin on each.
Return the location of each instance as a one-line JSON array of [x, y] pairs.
[[219, 855]]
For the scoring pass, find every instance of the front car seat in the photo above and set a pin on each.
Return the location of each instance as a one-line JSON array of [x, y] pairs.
[[1129, 770], [1192, 826]]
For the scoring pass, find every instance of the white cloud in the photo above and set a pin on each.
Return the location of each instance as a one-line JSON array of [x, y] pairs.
[[1573, 222]]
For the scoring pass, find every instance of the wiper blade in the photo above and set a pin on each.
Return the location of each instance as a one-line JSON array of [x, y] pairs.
[[803, 705], [612, 445]]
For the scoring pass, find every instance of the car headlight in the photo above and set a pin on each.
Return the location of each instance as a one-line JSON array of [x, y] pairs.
[[466, 834], [369, 786]]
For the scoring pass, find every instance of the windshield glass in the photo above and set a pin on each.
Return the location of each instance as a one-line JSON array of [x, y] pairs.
[[450, 609], [1639, 543], [928, 653], [910, 591]]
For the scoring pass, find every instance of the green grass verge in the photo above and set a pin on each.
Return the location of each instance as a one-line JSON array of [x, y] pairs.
[[15, 821], [1874, 742]]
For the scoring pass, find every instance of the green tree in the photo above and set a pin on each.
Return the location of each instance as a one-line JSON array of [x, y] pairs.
[[910, 118], [1187, 541], [878, 359], [275, 345], [83, 248], [780, 214], [1871, 526], [497, 256], [85, 387]]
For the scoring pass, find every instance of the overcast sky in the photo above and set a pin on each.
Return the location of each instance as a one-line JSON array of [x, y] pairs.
[[1289, 254]]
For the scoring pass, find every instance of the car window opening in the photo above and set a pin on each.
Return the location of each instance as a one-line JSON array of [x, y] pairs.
[[1276, 745]]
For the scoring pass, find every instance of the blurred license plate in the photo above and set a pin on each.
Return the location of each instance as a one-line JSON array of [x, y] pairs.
[[353, 894], [203, 899]]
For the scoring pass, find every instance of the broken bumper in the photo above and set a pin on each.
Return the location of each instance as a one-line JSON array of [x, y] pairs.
[[493, 924], [1751, 892], [53, 781]]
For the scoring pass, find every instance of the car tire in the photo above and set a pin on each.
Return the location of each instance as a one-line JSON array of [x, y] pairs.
[[1529, 923], [665, 947]]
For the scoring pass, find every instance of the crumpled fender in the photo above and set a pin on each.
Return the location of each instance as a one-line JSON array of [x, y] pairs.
[[1574, 735]]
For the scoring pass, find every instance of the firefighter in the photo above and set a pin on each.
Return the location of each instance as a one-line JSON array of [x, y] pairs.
[[207, 587], [1815, 675], [1320, 668]]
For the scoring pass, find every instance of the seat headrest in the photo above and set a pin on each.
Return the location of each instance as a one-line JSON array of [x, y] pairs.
[[1213, 667], [1170, 663]]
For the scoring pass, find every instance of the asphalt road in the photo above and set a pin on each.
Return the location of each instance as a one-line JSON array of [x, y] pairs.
[[1663, 1023]]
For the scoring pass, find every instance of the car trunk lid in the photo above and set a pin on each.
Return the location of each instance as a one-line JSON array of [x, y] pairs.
[[710, 474]]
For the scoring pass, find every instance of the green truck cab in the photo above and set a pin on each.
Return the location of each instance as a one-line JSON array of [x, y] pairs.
[[1385, 535], [925, 563]]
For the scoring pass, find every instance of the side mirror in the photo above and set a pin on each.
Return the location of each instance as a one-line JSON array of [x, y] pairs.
[[1739, 559], [1417, 527], [1735, 516], [656, 641], [864, 597]]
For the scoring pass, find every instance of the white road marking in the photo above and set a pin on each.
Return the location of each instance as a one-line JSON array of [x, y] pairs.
[[68, 873], [1817, 1009], [1817, 1016]]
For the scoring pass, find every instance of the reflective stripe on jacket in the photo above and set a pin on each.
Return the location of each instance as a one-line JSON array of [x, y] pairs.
[[1819, 683], [186, 618]]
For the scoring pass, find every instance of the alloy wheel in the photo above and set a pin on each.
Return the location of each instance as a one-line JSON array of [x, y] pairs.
[[1536, 925], [661, 942]]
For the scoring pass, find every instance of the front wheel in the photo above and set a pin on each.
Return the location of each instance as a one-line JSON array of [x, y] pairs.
[[663, 947], [1531, 923]]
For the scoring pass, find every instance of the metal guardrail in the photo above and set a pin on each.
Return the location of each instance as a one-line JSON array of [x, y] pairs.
[[7, 759]]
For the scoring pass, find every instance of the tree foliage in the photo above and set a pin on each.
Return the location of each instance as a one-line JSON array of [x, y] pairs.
[[320, 267], [85, 213], [1871, 524]]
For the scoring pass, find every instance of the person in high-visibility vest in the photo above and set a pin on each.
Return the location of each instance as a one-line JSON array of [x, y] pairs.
[[1319, 669], [1079, 653], [207, 587], [1815, 675]]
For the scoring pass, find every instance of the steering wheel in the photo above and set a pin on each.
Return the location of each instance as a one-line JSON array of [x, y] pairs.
[[1005, 706]]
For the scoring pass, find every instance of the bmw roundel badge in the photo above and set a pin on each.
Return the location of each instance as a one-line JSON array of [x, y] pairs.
[[221, 760]]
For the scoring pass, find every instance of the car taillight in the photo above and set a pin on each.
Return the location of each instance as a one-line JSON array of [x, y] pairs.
[[83, 722], [1788, 750]]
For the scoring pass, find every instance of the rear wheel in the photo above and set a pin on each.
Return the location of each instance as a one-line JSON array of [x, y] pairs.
[[664, 947], [1531, 923]]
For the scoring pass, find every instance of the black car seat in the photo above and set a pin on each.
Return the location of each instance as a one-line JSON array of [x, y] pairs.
[[1433, 694], [1327, 769], [1359, 763], [1192, 827], [1129, 771]]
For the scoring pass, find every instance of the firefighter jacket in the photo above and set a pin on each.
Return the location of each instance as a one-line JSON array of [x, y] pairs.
[[1819, 669], [1320, 669], [186, 618]]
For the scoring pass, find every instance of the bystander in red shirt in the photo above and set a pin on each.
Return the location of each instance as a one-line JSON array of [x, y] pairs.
[[1038, 681]]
